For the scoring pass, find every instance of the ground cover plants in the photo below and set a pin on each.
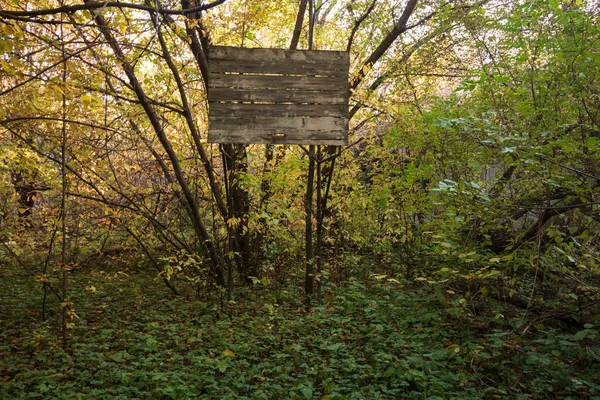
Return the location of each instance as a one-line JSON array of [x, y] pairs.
[[450, 251]]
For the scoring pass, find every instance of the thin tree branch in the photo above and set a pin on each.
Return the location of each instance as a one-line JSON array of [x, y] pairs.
[[357, 25], [96, 5], [385, 44], [298, 27]]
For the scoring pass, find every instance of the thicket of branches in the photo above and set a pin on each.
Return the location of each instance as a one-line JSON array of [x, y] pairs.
[[473, 161]]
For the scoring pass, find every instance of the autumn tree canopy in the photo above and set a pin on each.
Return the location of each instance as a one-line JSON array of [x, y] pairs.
[[472, 166]]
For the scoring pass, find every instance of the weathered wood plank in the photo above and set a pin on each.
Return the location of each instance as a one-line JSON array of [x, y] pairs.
[[279, 124], [289, 137], [278, 67], [287, 96], [256, 54], [277, 82], [237, 110], [314, 82]]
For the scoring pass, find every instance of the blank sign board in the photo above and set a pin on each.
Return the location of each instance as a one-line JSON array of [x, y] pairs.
[[278, 96]]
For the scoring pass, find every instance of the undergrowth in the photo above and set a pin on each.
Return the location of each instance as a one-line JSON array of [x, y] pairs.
[[369, 340]]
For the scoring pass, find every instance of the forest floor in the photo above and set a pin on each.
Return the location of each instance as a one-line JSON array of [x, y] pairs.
[[369, 340]]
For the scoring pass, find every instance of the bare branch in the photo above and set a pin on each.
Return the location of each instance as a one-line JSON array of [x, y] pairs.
[[96, 5], [385, 44], [358, 23], [298, 27]]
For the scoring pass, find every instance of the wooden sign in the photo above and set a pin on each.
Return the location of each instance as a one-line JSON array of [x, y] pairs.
[[278, 96]]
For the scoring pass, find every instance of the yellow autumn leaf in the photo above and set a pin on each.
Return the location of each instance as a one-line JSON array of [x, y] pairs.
[[228, 353], [86, 99], [91, 289]]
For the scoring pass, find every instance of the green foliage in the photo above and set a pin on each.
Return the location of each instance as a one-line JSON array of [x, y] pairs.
[[366, 342], [461, 253]]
